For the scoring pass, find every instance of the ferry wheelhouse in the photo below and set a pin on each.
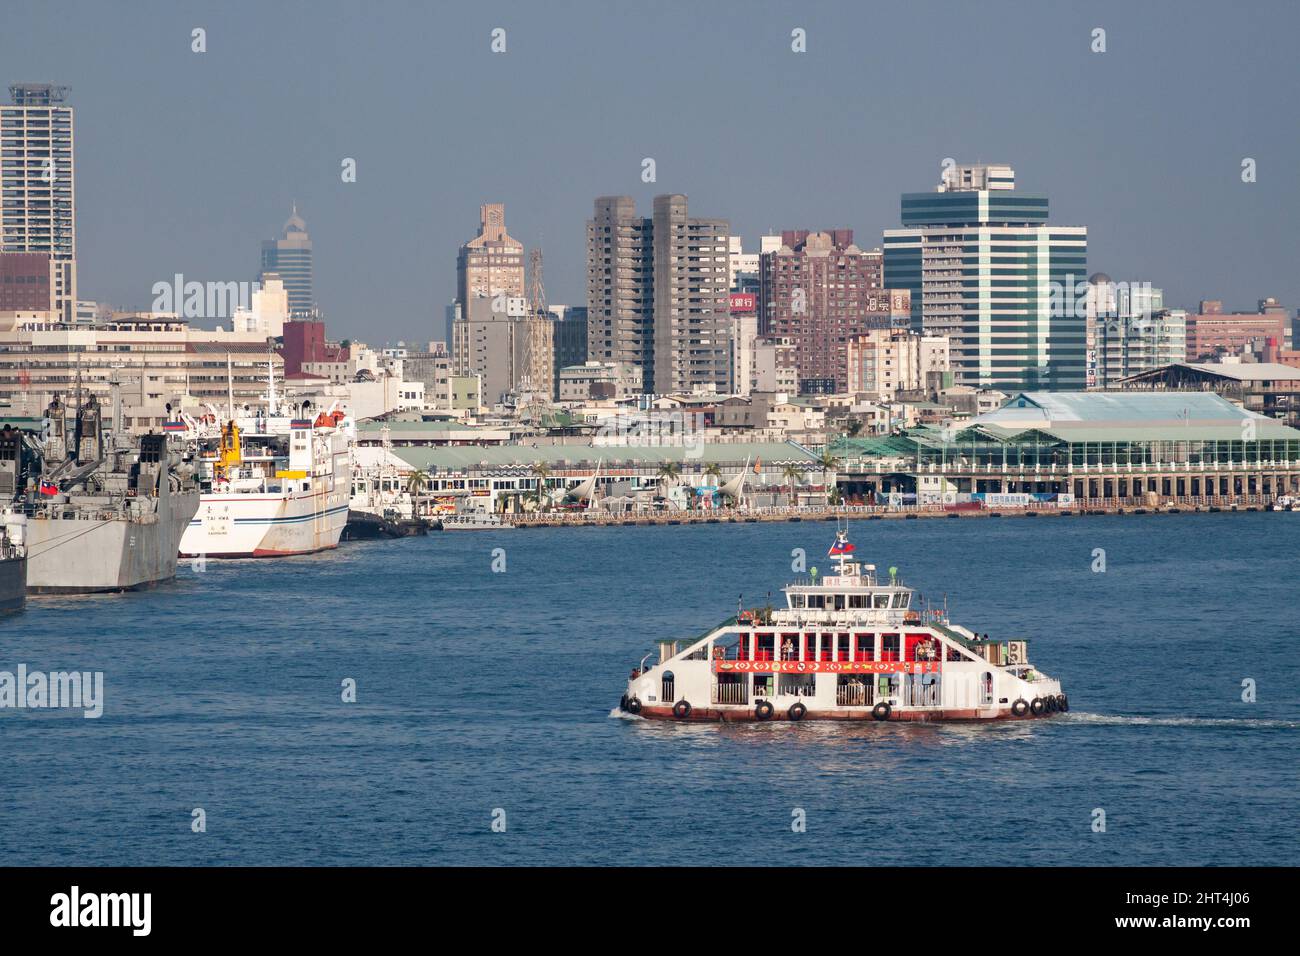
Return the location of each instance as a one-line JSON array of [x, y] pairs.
[[845, 647]]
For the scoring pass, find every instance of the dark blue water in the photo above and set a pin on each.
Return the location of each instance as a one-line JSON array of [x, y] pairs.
[[479, 690]]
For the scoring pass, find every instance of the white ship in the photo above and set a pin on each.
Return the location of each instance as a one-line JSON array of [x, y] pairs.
[[845, 647], [273, 484]]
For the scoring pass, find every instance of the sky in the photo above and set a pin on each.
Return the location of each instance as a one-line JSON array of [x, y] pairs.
[[187, 161]]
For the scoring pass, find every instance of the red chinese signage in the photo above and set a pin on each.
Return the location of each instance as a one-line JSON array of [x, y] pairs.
[[826, 667], [743, 302]]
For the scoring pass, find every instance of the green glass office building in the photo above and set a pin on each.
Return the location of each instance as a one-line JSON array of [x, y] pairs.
[[986, 269]]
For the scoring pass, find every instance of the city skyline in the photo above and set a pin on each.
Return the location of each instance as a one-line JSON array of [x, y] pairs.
[[386, 243]]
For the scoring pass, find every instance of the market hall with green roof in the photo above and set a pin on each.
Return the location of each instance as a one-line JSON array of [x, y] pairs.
[[1086, 444]]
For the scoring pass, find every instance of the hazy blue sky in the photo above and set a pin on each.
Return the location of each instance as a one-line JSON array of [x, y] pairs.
[[186, 161]]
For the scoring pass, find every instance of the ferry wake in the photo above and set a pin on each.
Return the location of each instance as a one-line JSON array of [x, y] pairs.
[[845, 647]]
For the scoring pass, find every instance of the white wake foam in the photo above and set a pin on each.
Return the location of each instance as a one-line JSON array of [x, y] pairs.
[[1241, 723]]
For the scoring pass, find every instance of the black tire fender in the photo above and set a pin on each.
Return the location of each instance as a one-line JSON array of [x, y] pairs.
[[682, 709], [882, 711], [1020, 707], [634, 705], [763, 710], [1036, 706], [797, 711]]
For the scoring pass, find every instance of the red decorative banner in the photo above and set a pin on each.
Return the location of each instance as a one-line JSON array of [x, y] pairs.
[[826, 667]]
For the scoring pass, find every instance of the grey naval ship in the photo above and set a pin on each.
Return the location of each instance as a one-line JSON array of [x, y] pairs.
[[96, 512]]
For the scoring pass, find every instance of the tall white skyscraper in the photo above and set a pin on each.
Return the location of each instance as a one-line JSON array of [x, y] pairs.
[[37, 180]]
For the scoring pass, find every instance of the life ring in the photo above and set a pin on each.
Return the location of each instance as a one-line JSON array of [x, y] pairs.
[[881, 711], [763, 710], [1062, 703], [1036, 706], [797, 711], [682, 709], [1020, 708], [634, 705]]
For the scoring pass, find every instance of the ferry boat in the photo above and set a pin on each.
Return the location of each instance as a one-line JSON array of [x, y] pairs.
[[845, 647], [273, 484]]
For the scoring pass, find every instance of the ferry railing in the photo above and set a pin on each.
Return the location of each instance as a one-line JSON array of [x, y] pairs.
[[921, 695], [1029, 676], [730, 693], [854, 695]]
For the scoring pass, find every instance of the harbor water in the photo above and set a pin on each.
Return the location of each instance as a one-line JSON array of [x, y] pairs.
[[489, 696]]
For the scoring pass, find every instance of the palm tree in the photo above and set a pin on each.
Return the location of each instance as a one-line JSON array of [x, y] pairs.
[[793, 476], [669, 474], [829, 464], [541, 472], [713, 473], [415, 482]]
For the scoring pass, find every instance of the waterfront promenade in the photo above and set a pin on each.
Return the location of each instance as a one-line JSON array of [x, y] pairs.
[[1092, 506]]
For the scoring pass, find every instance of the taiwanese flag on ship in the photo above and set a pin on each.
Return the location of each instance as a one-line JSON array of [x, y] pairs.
[[840, 547], [49, 488]]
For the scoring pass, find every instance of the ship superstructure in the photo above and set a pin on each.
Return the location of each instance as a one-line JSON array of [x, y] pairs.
[[846, 646]]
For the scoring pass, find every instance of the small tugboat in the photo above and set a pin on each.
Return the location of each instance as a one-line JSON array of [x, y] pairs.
[[844, 647]]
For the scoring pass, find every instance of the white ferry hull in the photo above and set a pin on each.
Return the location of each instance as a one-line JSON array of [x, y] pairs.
[[262, 526], [733, 713], [960, 690]]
